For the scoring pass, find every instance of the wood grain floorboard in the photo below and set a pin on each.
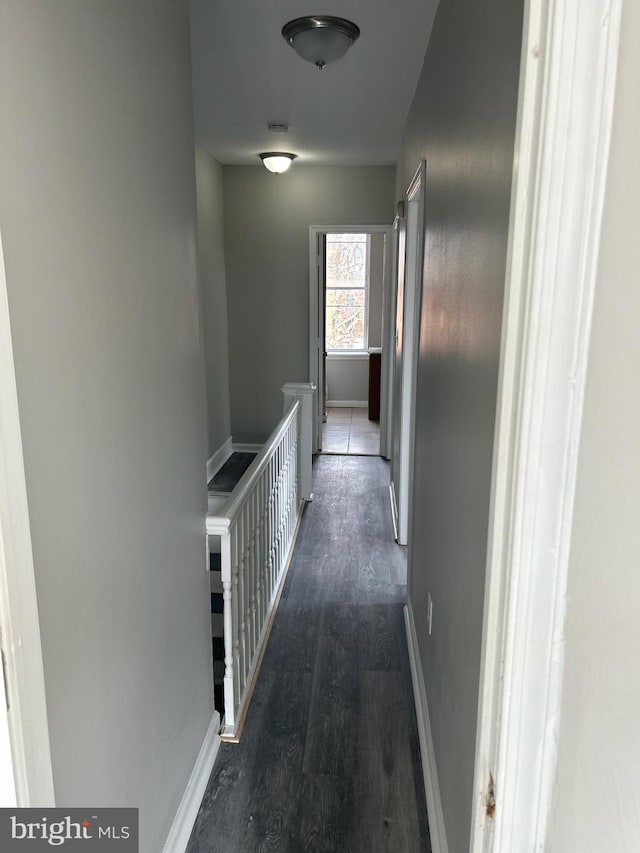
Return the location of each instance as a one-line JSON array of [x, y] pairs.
[[329, 758], [388, 818], [294, 640], [327, 810], [379, 630], [330, 747]]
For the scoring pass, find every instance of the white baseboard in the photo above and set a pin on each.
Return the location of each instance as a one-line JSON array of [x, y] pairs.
[[241, 447], [429, 769], [182, 825], [394, 510], [347, 404], [219, 458]]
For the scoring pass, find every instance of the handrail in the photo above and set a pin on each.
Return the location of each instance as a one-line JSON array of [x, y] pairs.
[[220, 521]]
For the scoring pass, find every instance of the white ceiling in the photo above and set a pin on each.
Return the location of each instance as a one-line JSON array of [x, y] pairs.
[[352, 112]]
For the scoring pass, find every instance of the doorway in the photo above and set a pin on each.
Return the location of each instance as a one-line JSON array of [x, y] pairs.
[[403, 373], [349, 279]]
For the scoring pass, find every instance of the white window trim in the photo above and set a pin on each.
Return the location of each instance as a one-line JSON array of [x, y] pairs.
[[351, 355]]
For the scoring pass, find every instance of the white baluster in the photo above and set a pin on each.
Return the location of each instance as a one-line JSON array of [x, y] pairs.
[[272, 521], [289, 491], [242, 598], [269, 536], [280, 506], [287, 472], [252, 575], [276, 515], [248, 588], [257, 607], [264, 544], [262, 591], [250, 578], [230, 698], [235, 591]]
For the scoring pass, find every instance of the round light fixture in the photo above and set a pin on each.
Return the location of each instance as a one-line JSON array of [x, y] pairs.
[[320, 38], [277, 161]]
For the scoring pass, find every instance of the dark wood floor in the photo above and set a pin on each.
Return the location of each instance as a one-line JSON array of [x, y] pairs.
[[329, 758]]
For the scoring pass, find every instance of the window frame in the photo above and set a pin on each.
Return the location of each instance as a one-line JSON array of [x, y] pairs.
[[364, 351]]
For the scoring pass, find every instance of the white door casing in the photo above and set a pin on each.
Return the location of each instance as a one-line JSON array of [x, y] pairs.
[[567, 83], [389, 341], [409, 294], [19, 627], [316, 305], [396, 385]]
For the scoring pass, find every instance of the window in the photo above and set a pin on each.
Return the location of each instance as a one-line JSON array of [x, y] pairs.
[[347, 281]]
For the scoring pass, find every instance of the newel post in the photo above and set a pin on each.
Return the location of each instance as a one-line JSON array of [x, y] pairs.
[[302, 391]]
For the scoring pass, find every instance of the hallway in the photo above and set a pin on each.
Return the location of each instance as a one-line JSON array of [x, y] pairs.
[[329, 758]]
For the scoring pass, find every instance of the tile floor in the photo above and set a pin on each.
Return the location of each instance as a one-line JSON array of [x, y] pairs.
[[350, 431]]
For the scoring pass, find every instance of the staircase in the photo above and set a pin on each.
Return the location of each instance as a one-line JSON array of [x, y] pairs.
[[217, 629], [219, 488], [255, 506]]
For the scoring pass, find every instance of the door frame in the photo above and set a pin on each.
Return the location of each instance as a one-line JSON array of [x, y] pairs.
[[387, 340], [314, 301], [388, 343], [404, 420], [567, 85], [28, 729]]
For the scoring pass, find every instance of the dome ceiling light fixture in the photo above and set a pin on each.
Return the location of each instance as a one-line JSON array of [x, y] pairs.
[[320, 38], [277, 161]]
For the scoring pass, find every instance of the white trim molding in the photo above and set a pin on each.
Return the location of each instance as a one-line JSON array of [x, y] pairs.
[[244, 447], [388, 340], [411, 301], [314, 342], [437, 829], [185, 818], [217, 460], [567, 83], [19, 625], [347, 404], [338, 355], [394, 510]]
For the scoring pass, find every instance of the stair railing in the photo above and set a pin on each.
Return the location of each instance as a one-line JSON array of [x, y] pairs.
[[257, 527]]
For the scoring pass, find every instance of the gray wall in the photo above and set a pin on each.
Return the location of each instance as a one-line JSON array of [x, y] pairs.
[[348, 378], [267, 219], [98, 220], [462, 121], [596, 801], [213, 296]]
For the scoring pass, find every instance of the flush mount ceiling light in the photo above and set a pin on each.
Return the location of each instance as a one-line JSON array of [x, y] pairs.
[[277, 161], [320, 38]]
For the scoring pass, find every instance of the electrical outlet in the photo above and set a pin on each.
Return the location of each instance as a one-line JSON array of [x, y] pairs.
[[429, 612]]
